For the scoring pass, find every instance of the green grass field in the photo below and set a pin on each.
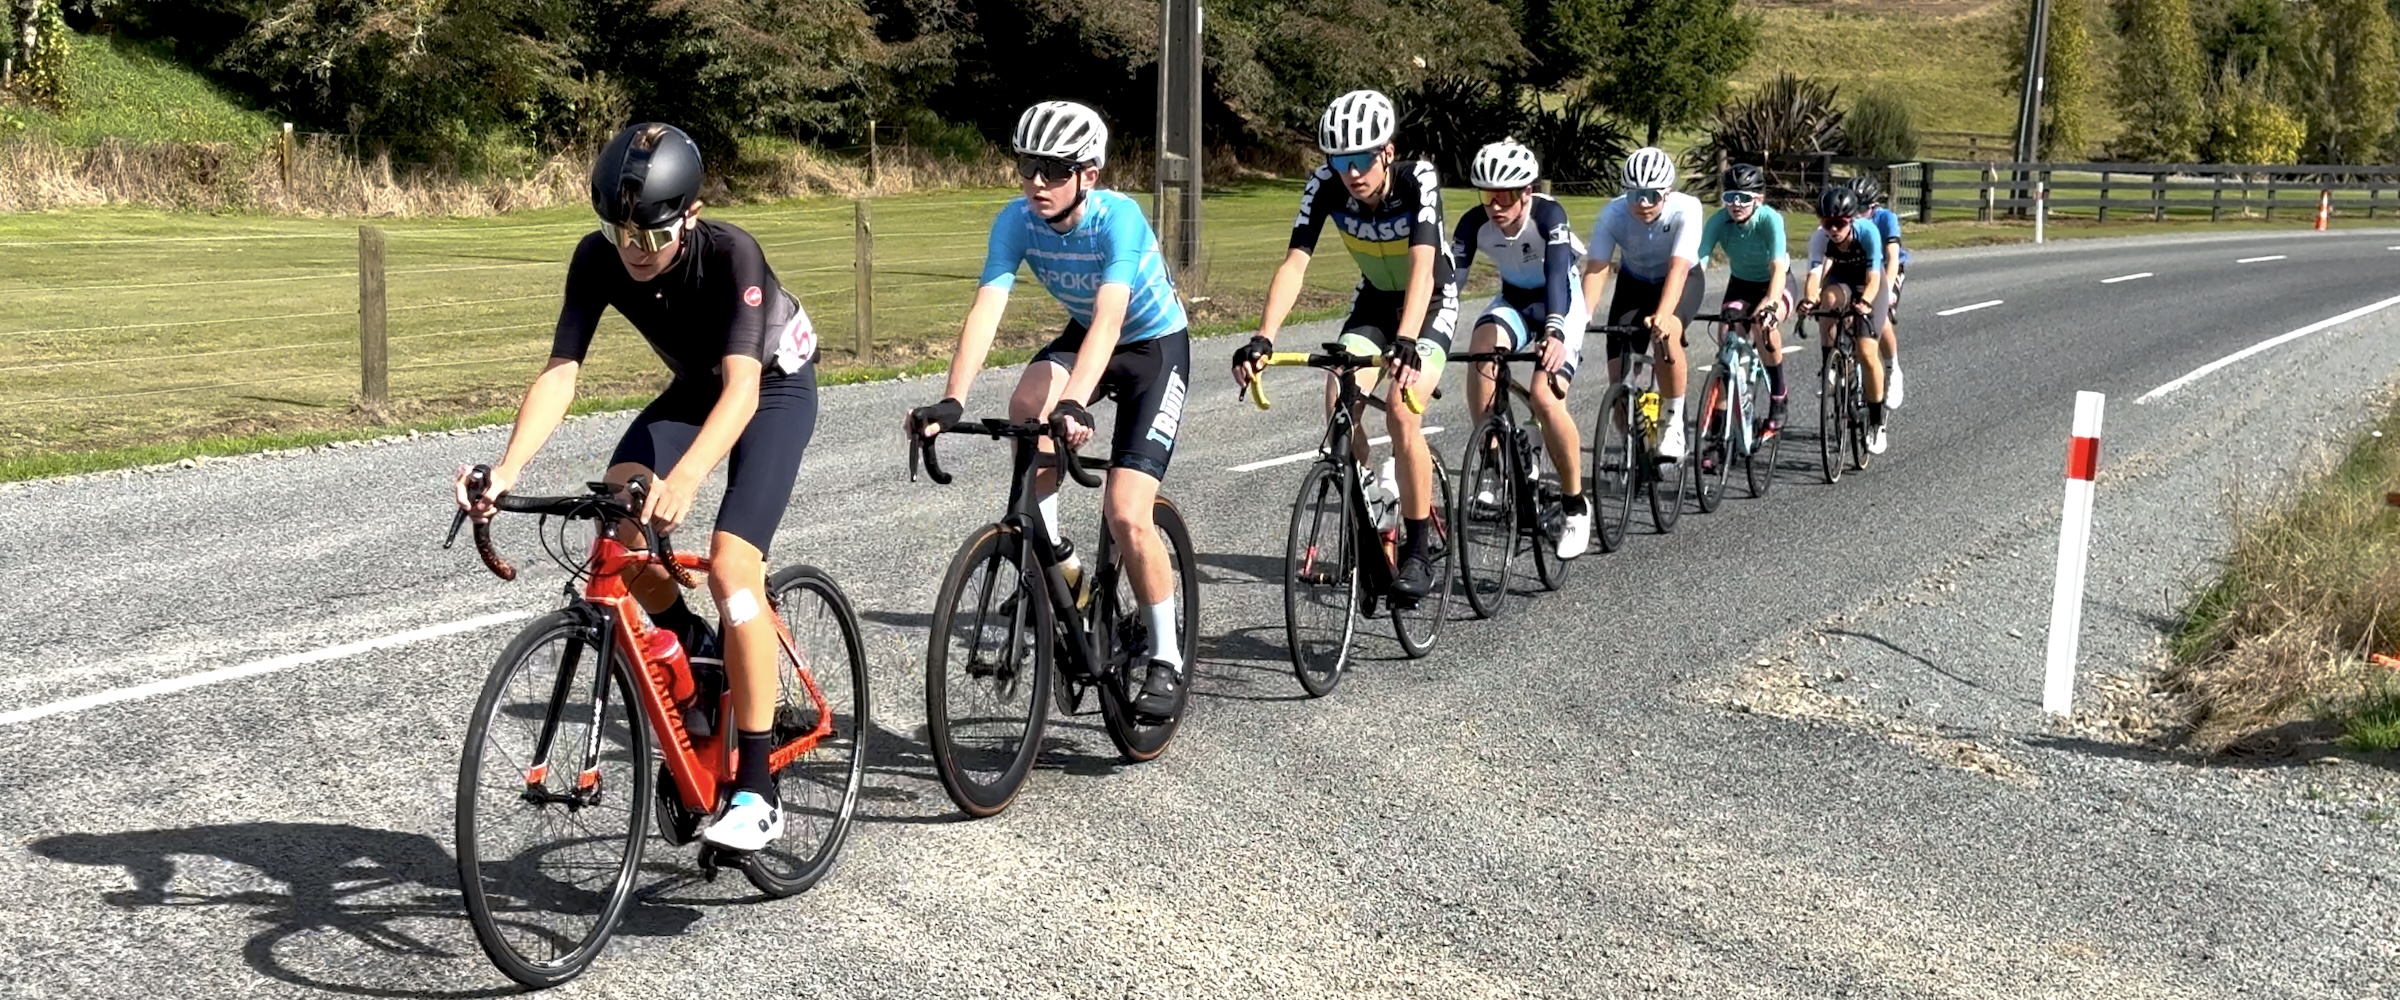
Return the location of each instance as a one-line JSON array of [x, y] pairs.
[[130, 92]]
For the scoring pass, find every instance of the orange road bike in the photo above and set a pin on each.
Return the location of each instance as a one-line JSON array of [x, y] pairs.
[[557, 786]]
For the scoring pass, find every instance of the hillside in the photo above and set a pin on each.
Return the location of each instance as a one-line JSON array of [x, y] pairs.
[[128, 90]]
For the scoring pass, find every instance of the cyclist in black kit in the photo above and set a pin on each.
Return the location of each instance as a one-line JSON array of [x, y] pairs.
[[741, 351]]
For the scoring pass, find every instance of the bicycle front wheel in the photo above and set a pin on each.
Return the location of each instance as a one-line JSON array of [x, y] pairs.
[[1833, 427], [1717, 438], [1124, 636], [1667, 483], [987, 672], [822, 677], [550, 839], [1758, 465], [1486, 516], [1416, 624], [1614, 481], [1320, 579]]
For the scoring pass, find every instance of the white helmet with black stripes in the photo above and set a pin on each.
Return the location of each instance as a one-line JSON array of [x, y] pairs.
[[1356, 122], [1063, 129], [1505, 164], [1649, 167]]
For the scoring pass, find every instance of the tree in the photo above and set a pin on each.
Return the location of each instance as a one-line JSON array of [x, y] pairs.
[[2068, 75], [2246, 125], [2159, 83], [1661, 63], [2253, 38], [2347, 74]]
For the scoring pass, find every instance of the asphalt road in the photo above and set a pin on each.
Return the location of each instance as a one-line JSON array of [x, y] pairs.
[[1793, 749]]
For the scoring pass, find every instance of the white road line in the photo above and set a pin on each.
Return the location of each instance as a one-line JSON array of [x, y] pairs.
[[253, 669], [2260, 260], [1269, 463], [2204, 370], [1968, 309], [2129, 277]]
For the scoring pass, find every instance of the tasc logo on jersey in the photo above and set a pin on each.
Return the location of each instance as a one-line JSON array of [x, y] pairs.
[[752, 296], [1387, 231]]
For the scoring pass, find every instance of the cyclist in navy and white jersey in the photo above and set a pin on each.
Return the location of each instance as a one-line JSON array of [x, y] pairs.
[[1540, 307], [1751, 232], [1126, 340], [1895, 274], [1659, 284], [744, 391], [1389, 212], [1845, 271]]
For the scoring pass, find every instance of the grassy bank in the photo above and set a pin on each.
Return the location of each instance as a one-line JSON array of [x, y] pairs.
[[2277, 654]]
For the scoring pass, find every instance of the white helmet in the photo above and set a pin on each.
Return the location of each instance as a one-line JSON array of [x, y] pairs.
[[1505, 164], [1356, 122], [1063, 129], [1649, 167]]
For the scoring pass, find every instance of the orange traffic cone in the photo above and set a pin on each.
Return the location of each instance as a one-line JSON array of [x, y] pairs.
[[2324, 209]]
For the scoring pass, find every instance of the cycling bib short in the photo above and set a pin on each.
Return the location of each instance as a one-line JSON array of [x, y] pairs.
[[1379, 238], [1111, 244], [1148, 381], [765, 462], [1636, 300], [1541, 275]]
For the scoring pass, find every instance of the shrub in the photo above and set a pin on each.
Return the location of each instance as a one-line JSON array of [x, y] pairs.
[[1788, 115], [1880, 126]]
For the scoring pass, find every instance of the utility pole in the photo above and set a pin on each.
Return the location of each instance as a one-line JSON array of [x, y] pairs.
[[2029, 96], [1176, 181]]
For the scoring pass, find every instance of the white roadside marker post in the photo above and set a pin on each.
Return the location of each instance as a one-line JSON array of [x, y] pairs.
[[2041, 209], [2074, 554]]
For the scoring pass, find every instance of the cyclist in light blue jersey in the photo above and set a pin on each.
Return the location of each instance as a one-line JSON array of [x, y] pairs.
[[1845, 271], [1126, 339], [1540, 307], [1751, 232], [1895, 274]]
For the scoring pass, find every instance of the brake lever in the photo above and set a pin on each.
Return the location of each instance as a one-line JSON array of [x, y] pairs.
[[477, 480]]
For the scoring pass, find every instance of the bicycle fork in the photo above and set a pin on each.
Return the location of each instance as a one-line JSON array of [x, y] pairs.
[[586, 790]]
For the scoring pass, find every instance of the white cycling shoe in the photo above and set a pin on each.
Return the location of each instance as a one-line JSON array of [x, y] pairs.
[[750, 824], [1877, 442], [1576, 535], [1895, 394], [1670, 442]]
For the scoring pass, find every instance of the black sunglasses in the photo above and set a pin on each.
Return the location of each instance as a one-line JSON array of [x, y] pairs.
[[1050, 169]]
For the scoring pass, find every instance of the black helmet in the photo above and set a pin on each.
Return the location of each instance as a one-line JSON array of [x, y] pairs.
[[646, 176], [1870, 191], [1837, 202], [1745, 177]]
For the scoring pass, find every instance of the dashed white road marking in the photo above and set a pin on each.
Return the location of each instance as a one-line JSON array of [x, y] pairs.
[[2129, 277], [1968, 309], [253, 669], [2264, 345], [2262, 260], [1269, 463]]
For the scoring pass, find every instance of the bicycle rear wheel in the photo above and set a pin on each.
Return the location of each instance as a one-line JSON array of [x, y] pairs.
[[545, 898], [1859, 455], [818, 789], [987, 672], [1486, 516], [1717, 439], [1758, 466], [1418, 624], [1320, 579], [1833, 427], [1613, 482], [1123, 634]]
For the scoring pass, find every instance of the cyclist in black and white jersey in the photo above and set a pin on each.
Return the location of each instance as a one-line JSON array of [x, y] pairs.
[[1540, 307], [1659, 285], [745, 388], [1389, 212]]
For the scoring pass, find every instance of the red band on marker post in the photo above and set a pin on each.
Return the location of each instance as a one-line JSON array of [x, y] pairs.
[[2083, 458]]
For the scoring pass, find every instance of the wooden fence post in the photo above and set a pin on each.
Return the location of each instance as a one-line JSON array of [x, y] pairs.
[[2104, 196], [862, 266], [283, 157], [373, 360], [874, 159], [2158, 197], [1924, 193], [1984, 214], [2271, 190], [2216, 198]]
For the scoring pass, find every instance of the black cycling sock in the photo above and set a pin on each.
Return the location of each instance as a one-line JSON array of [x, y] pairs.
[[750, 768], [1419, 528], [1875, 413], [1775, 378], [1572, 503]]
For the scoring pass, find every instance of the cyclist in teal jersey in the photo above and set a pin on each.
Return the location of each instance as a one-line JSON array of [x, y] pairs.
[[1389, 213], [1751, 231], [1126, 339], [1895, 274]]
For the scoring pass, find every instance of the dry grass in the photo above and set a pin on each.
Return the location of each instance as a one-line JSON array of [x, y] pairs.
[[2276, 655]]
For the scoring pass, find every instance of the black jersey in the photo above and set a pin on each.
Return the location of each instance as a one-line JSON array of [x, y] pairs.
[[719, 298], [1380, 238]]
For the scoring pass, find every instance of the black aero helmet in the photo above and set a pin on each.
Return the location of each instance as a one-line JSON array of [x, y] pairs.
[[1870, 191], [1745, 177], [646, 177], [1837, 202]]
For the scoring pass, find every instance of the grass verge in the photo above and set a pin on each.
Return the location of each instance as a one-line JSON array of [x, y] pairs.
[[2276, 655]]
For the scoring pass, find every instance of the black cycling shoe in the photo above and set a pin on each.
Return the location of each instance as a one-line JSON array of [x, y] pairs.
[[1416, 575], [1161, 699]]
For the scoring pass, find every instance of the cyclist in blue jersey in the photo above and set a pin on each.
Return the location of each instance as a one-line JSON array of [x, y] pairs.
[[1895, 274], [1125, 339], [1657, 228], [1528, 238], [1751, 231], [1389, 213], [1845, 271]]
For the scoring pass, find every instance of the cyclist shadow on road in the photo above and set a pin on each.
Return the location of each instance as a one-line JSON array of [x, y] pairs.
[[349, 909]]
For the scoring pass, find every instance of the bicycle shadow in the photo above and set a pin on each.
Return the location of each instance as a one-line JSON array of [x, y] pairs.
[[375, 890]]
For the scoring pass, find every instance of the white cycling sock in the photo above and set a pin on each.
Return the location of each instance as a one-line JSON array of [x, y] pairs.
[[1161, 617], [1675, 409]]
